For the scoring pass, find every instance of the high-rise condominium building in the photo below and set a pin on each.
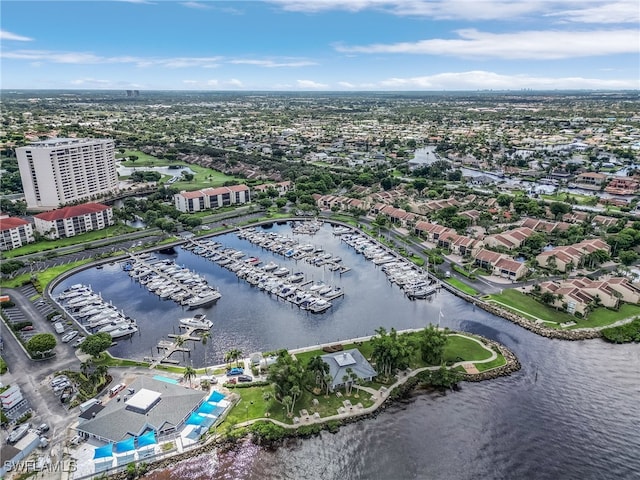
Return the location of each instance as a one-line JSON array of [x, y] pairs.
[[60, 171]]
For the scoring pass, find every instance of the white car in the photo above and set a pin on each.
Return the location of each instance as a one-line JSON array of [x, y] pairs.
[[79, 341], [66, 338]]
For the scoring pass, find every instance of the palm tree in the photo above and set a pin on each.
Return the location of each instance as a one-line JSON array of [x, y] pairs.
[[205, 337], [233, 355], [189, 374], [318, 368], [85, 366]]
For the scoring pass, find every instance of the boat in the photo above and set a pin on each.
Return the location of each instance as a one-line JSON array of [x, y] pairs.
[[296, 277], [281, 272], [203, 299], [319, 306], [115, 326], [198, 321], [124, 331], [269, 267]]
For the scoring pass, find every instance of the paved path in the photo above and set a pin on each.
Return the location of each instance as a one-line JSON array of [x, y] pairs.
[[379, 396]]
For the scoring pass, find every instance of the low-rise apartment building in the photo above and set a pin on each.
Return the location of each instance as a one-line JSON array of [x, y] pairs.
[[70, 221], [210, 198]]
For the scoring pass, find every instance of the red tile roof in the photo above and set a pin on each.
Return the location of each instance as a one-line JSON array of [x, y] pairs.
[[71, 212], [11, 222]]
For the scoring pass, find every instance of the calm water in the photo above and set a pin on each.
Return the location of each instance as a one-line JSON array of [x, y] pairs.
[[572, 412]]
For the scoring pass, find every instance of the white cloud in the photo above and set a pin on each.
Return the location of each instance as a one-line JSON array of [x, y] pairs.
[[196, 5], [626, 11], [212, 83], [483, 80], [273, 64], [590, 11], [310, 84], [234, 82], [347, 85], [82, 58], [538, 45], [4, 35]]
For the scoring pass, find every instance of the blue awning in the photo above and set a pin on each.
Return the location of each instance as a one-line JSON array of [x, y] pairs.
[[215, 396], [195, 419], [125, 445], [103, 452], [147, 439], [206, 407]]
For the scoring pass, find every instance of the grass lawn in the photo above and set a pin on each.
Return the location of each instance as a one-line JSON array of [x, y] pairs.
[[144, 160], [563, 197], [529, 307], [498, 362], [454, 282], [43, 277], [80, 240], [205, 177], [603, 316], [459, 349]]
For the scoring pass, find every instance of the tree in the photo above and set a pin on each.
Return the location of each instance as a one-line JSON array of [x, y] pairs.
[[232, 355], [189, 374], [432, 343], [41, 343], [547, 298], [318, 368], [558, 209], [94, 345], [287, 377], [390, 351]]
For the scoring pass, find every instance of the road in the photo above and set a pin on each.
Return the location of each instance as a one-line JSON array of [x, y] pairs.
[[33, 377]]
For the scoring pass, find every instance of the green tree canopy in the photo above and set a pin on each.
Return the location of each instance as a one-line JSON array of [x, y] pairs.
[[432, 343], [41, 343], [94, 345]]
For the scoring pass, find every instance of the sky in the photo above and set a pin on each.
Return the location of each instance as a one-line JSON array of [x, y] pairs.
[[320, 45]]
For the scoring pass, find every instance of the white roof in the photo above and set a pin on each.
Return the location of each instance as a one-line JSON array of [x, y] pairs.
[[344, 359], [143, 400]]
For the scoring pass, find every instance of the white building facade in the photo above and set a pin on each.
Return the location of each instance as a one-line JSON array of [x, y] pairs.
[[210, 198], [70, 221], [14, 232], [60, 171]]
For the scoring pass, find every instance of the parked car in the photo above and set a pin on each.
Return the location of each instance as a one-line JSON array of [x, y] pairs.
[[235, 371], [232, 380], [42, 428], [245, 378], [58, 380], [67, 337], [27, 328], [79, 341], [18, 432]]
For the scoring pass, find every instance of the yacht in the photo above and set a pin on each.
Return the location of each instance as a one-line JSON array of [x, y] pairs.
[[197, 321], [123, 331], [203, 299], [115, 326], [319, 306], [270, 267], [281, 272]]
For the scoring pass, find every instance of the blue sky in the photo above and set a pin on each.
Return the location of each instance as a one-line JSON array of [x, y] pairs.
[[321, 45]]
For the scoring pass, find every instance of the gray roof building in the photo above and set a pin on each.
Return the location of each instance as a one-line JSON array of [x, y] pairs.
[[339, 363], [150, 405]]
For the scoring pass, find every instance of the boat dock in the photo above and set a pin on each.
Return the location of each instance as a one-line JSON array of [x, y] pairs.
[[169, 347]]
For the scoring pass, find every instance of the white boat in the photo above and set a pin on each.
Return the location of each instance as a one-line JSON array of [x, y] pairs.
[[116, 325], [269, 267], [319, 306], [296, 277], [203, 299], [197, 321], [123, 331], [281, 272]]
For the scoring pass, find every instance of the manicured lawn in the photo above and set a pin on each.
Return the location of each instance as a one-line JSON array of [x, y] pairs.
[[528, 306], [603, 316], [498, 362], [459, 349], [80, 240], [454, 282], [205, 177], [43, 277]]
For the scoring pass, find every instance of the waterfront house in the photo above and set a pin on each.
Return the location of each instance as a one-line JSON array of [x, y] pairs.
[[210, 198], [344, 362]]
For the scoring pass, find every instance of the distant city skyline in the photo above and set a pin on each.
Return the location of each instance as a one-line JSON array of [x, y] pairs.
[[321, 45]]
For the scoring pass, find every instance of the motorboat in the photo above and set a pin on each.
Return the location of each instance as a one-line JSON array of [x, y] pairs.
[[116, 325], [123, 331], [296, 277], [319, 306], [281, 272], [198, 321], [203, 299], [270, 267]]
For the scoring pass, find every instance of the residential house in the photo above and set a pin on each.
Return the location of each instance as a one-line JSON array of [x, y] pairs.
[[500, 264], [509, 239], [570, 255], [344, 362]]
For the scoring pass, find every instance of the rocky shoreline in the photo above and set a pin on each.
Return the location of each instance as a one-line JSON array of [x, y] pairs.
[[537, 328]]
